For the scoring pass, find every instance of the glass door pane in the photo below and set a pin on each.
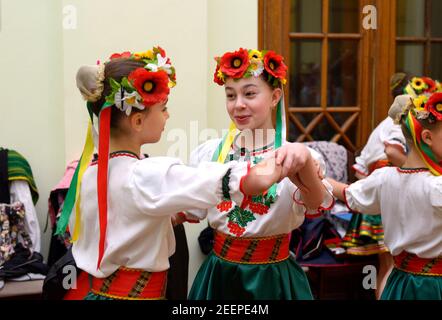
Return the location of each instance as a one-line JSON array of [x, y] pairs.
[[436, 61], [344, 16], [436, 26], [343, 73], [410, 58], [306, 16], [410, 18], [305, 75]]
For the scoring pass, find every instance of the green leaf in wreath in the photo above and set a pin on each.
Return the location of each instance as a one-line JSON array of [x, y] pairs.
[[114, 85]]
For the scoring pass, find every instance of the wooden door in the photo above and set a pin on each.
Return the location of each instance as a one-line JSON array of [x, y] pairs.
[[328, 54]]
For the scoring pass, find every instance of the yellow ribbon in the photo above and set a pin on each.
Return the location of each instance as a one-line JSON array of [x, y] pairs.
[[86, 158], [228, 143]]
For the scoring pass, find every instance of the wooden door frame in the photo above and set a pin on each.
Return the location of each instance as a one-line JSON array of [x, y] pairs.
[[384, 58], [273, 33]]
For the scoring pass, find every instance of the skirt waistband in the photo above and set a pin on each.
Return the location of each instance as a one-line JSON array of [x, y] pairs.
[[258, 250], [411, 263], [132, 284]]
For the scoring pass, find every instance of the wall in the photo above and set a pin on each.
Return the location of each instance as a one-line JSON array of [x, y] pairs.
[[31, 107], [43, 116]]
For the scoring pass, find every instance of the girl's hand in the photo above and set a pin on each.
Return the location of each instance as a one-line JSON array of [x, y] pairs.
[[293, 157], [262, 176]]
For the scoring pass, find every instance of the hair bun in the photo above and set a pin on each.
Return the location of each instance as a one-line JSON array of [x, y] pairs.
[[90, 82], [399, 107]]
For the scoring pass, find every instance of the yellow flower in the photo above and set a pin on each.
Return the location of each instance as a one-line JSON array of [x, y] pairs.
[[220, 75], [438, 86], [256, 67], [171, 84], [419, 102], [145, 55], [255, 54], [418, 84]]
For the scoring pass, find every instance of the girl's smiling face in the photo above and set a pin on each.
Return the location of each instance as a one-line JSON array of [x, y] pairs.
[[250, 102]]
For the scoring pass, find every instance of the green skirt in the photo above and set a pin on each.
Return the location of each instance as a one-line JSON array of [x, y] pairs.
[[218, 279], [407, 286]]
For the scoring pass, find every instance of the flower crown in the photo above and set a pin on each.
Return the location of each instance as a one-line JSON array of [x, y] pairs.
[[422, 86], [144, 86], [247, 63], [427, 107]]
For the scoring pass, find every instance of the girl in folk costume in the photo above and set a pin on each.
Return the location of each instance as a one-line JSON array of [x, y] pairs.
[[250, 257], [410, 201], [386, 146], [122, 235]]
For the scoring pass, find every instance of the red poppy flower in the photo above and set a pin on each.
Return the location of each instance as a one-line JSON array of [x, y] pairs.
[[274, 65], [217, 79], [434, 105], [235, 64], [125, 54], [152, 86], [430, 83]]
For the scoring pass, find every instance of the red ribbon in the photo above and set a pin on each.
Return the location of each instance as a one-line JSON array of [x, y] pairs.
[[103, 165]]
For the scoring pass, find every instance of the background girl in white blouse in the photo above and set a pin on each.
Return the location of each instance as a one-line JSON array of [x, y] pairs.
[[410, 201]]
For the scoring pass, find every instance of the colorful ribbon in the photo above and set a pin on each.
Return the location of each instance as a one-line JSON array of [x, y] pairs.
[[72, 196], [424, 150], [103, 167]]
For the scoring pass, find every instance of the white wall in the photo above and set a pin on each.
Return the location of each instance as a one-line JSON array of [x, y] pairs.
[[31, 109], [43, 116]]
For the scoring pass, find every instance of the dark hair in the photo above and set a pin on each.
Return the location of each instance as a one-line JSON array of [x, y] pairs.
[[116, 69], [398, 82]]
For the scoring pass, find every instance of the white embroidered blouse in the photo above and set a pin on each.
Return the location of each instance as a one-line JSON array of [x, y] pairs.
[[410, 202], [142, 196], [261, 216]]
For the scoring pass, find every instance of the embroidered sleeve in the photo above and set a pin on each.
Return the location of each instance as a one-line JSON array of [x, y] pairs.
[[327, 203], [363, 195], [202, 153], [166, 186]]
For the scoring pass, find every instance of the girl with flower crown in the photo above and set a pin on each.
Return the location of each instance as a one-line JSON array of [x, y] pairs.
[[122, 231], [250, 257], [410, 202], [386, 146]]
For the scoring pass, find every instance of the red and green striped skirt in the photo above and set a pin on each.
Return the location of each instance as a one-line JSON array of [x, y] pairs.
[[414, 278], [250, 269]]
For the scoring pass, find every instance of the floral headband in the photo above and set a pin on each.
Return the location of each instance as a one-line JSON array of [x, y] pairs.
[[425, 108], [430, 108], [422, 86], [247, 63], [144, 86]]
